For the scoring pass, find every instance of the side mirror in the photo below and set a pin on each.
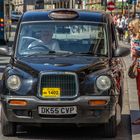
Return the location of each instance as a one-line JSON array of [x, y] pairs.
[[121, 52], [5, 51]]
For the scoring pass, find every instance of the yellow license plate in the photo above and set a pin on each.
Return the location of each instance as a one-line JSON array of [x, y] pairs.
[[51, 92]]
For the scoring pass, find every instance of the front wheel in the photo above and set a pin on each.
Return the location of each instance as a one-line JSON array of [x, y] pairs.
[[110, 128], [7, 128]]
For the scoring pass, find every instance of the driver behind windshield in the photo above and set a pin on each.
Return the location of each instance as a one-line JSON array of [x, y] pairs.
[[47, 40]]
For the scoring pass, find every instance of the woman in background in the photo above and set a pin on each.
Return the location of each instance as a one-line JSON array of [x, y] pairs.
[[134, 29]]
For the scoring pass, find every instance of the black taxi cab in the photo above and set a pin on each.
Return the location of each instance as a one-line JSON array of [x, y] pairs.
[[66, 67]]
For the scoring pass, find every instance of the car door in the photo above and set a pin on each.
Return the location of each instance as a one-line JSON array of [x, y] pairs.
[[117, 65]]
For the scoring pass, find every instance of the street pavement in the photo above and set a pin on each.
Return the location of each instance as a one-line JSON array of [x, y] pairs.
[[133, 98]]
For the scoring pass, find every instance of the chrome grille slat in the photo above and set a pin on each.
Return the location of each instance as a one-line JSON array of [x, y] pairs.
[[66, 81]]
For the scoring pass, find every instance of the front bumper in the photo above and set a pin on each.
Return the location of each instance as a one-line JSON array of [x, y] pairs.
[[86, 114]]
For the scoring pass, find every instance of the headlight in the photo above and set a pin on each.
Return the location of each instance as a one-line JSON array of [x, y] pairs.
[[103, 82], [13, 82]]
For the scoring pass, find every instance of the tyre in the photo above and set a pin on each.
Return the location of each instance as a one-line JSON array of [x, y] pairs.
[[110, 128], [7, 128]]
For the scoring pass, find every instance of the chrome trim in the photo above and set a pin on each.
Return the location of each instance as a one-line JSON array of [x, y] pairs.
[[57, 73]]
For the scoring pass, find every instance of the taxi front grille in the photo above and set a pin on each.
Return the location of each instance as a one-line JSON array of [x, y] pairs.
[[65, 81]]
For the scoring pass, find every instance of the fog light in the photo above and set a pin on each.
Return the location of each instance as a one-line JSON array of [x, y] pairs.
[[97, 102], [17, 102], [23, 112]]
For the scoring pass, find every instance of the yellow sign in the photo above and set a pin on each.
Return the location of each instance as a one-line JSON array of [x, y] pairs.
[[51, 92]]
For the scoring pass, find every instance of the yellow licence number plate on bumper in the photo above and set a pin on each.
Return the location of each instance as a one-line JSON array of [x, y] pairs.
[[51, 92]]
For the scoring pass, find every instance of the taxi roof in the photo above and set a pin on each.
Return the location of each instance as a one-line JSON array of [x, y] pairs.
[[41, 15]]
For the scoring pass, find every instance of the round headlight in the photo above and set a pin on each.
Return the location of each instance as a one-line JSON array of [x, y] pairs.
[[103, 82], [13, 82]]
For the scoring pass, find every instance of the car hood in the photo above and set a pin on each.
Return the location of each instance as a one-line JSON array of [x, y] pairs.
[[75, 64]]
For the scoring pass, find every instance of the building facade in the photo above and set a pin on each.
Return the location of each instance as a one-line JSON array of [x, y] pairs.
[[24, 5], [18, 5]]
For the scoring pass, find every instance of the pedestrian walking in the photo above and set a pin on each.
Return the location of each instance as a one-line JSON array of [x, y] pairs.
[[126, 34], [131, 18], [134, 29], [115, 19], [120, 27]]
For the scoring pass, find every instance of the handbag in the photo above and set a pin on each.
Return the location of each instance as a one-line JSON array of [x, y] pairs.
[[132, 71]]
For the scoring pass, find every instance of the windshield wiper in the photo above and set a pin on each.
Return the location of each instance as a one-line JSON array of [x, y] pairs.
[[98, 54], [39, 54], [77, 53], [86, 53], [49, 53]]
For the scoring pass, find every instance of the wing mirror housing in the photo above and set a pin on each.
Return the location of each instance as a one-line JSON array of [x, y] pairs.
[[5, 51], [121, 52]]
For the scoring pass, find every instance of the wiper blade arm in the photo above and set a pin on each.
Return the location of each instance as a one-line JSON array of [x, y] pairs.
[[87, 53], [40, 53], [98, 54], [50, 53]]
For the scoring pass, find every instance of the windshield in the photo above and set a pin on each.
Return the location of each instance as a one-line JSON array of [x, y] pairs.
[[62, 38]]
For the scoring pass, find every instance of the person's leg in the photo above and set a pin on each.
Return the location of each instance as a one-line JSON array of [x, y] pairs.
[[119, 34], [122, 34]]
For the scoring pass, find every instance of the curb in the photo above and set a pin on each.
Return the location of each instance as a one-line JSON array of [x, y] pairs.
[[132, 97]]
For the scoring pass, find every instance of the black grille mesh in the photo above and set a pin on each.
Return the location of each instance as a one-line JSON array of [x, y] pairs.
[[66, 83]]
